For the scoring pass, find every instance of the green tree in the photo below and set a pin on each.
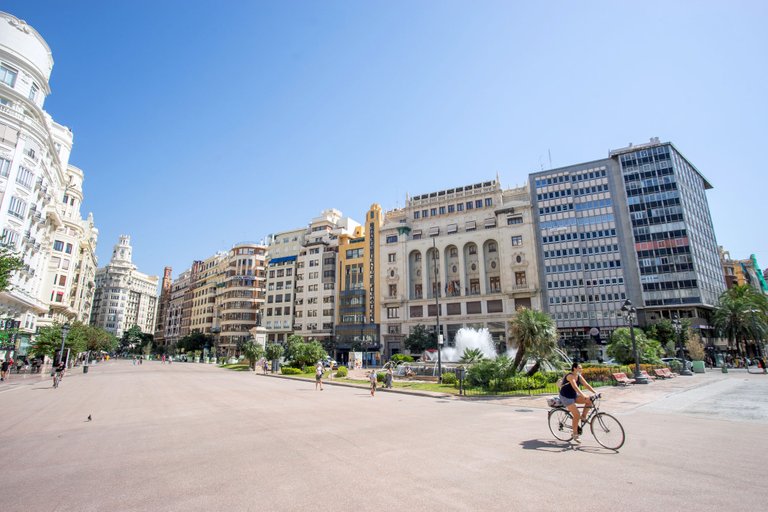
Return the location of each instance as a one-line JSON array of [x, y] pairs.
[[293, 340], [48, 340], [253, 352], [741, 315], [307, 354], [274, 351], [195, 342], [663, 330], [131, 339], [9, 263], [620, 347], [536, 336], [420, 340]]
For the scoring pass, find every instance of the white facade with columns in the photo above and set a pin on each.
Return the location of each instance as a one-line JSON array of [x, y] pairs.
[[40, 193], [481, 240]]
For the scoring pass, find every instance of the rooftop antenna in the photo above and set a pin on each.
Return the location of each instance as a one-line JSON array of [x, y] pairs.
[[541, 164]]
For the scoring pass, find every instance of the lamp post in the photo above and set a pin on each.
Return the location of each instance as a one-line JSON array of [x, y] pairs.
[[437, 314], [679, 341], [64, 333], [630, 313]]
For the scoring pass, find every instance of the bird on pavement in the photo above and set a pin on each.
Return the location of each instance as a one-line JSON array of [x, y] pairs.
[[89, 417]]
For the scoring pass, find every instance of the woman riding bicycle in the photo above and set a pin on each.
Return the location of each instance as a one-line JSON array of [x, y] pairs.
[[570, 395]]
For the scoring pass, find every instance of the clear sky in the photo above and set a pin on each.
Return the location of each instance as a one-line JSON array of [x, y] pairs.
[[201, 124]]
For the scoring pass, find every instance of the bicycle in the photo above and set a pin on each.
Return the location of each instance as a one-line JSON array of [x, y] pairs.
[[56, 379], [606, 429]]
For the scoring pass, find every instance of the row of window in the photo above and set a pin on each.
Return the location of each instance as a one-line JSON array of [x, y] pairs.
[[59, 246], [586, 299], [565, 178], [576, 251], [576, 267], [582, 221], [570, 283], [443, 210], [587, 235]]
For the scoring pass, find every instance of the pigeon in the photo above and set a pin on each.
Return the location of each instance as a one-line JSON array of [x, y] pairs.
[[89, 417]]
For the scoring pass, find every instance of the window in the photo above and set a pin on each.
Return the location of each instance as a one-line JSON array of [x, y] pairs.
[[469, 205], [354, 253], [9, 238], [517, 240], [5, 167], [17, 207], [393, 290], [433, 211], [479, 203], [391, 257], [492, 247], [451, 208], [62, 280], [488, 201], [33, 91], [58, 245], [391, 239], [520, 279], [416, 214], [393, 312], [69, 249], [8, 75], [515, 220]]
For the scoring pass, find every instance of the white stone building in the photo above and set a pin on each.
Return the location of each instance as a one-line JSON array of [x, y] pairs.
[[40, 193], [124, 296], [475, 245]]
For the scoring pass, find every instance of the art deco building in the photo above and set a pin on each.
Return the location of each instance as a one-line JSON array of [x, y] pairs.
[[636, 226], [473, 248], [124, 296], [40, 193], [358, 283], [163, 304], [176, 312]]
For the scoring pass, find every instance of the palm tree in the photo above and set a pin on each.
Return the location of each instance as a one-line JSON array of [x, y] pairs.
[[471, 356], [536, 335], [741, 315]]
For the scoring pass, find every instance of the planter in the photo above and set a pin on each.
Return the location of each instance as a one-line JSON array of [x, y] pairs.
[[698, 367]]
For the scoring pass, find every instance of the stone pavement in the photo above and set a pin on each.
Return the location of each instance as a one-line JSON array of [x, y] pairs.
[[195, 437]]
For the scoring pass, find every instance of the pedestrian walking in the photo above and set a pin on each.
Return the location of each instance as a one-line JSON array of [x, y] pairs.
[[372, 377], [4, 369], [319, 375], [389, 377], [264, 366]]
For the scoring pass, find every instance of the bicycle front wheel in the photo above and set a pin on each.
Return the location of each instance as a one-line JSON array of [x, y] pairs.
[[607, 430], [561, 424]]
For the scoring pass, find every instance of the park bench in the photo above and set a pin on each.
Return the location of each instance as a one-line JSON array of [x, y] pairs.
[[648, 376], [662, 374], [622, 379], [668, 373]]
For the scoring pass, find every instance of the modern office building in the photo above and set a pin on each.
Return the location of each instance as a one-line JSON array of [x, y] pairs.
[[41, 194], [124, 296], [636, 226], [468, 253]]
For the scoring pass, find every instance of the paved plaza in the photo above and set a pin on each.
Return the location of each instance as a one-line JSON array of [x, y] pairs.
[[195, 437]]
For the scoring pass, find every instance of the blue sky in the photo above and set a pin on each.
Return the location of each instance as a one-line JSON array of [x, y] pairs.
[[193, 119]]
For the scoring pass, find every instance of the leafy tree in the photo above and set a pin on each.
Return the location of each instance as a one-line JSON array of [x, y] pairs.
[[98, 339], [694, 346], [741, 315], [471, 356], [536, 336], [274, 351], [131, 339], [420, 340], [307, 354], [9, 263], [620, 347], [48, 340], [293, 340], [663, 330], [253, 352], [195, 342]]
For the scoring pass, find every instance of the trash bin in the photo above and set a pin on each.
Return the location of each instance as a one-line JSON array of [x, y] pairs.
[[698, 367], [85, 368]]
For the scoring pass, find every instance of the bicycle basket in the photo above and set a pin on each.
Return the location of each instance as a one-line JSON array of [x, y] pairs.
[[554, 402]]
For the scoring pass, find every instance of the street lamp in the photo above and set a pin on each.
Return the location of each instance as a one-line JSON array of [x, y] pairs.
[[630, 313], [679, 341], [64, 333]]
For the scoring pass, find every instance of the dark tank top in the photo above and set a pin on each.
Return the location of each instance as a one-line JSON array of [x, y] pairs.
[[566, 389]]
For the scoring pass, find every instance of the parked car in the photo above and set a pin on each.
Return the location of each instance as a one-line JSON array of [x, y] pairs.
[[667, 360], [330, 363]]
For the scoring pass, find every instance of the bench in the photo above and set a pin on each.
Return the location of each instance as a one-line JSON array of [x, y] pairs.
[[622, 379], [645, 374], [668, 373]]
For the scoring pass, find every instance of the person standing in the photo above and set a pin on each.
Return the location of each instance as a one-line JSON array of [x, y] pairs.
[[319, 375], [372, 377], [265, 366], [390, 376]]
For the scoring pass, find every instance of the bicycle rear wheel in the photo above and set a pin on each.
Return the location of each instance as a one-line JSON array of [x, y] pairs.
[[560, 424], [607, 430]]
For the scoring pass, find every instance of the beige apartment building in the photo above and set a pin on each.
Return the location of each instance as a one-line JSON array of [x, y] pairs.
[[473, 248], [283, 252]]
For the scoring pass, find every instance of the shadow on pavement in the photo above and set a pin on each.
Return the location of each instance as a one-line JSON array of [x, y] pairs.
[[545, 446]]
